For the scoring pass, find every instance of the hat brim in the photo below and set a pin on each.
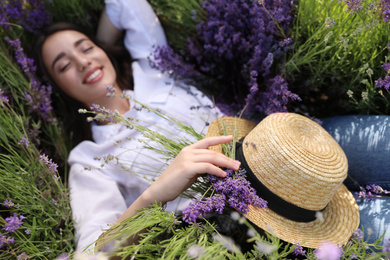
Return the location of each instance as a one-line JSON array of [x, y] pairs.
[[340, 218]]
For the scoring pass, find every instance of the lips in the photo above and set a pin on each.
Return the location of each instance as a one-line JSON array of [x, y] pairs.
[[93, 75]]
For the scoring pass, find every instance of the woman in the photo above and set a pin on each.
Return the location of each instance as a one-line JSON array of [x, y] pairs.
[[81, 69]]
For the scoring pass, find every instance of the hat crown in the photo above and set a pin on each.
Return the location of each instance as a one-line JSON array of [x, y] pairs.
[[296, 159]]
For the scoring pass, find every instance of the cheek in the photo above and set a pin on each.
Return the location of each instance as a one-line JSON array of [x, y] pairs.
[[67, 83]]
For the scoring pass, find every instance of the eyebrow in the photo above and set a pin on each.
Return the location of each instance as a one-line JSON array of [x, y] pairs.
[[62, 54]]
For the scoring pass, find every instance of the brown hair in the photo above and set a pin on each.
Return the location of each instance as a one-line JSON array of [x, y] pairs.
[[66, 107]]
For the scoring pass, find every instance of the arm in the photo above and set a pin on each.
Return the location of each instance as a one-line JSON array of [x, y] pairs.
[[107, 32], [143, 31], [190, 163]]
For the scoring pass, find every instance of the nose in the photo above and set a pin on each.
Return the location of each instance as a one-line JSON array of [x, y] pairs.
[[82, 61]]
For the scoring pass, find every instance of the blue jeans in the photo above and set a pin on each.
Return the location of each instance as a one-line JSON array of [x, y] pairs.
[[365, 140]]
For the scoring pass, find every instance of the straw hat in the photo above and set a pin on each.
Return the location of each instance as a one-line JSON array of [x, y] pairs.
[[296, 166]]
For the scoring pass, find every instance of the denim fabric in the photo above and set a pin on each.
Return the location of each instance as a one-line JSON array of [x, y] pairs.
[[365, 140], [375, 218]]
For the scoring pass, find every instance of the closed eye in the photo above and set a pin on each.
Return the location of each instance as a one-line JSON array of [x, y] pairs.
[[64, 67], [88, 49]]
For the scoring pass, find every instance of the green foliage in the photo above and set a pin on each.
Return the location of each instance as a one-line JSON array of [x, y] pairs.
[[179, 19], [333, 48], [85, 13]]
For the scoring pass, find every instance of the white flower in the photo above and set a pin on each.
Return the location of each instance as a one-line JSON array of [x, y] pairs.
[[195, 251], [226, 242], [320, 216], [350, 93], [235, 215], [251, 232], [265, 248], [364, 81], [365, 95]]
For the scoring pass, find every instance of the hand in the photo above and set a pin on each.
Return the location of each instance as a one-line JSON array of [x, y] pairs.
[[188, 165]]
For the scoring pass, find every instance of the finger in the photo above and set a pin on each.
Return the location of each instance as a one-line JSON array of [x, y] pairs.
[[210, 141], [210, 169], [217, 159]]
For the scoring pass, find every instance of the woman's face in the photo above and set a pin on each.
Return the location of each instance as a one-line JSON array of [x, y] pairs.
[[78, 66]]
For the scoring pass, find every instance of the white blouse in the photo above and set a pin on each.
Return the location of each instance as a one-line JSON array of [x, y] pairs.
[[108, 174]]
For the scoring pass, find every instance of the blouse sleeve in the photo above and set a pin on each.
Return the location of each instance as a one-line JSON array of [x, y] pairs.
[[143, 29], [96, 201]]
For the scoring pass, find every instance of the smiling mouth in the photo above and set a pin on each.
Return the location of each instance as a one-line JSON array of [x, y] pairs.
[[95, 76]]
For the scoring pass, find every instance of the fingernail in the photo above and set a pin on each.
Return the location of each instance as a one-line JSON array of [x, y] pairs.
[[237, 163]]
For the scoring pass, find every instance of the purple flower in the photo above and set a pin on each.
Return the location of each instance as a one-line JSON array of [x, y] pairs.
[[233, 52], [386, 67], [376, 189], [22, 256], [40, 95], [13, 223], [385, 5], [8, 203], [24, 142], [328, 251], [3, 98], [383, 83], [386, 246], [354, 6], [51, 165], [298, 250], [199, 208], [358, 235], [5, 240], [234, 190], [30, 14]]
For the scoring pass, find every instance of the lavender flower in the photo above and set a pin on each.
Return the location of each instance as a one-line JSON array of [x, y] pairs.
[[3, 98], [386, 246], [386, 67], [328, 251], [233, 53], [28, 231], [5, 240], [383, 83], [22, 256], [357, 235], [370, 191], [233, 190], [376, 189], [354, 6], [24, 142], [199, 208], [385, 7], [298, 250], [40, 95], [51, 165], [30, 14], [8, 203], [13, 223]]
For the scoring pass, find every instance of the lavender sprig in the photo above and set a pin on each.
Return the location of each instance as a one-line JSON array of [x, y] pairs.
[[30, 14], [233, 54], [370, 191], [39, 96], [233, 190]]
